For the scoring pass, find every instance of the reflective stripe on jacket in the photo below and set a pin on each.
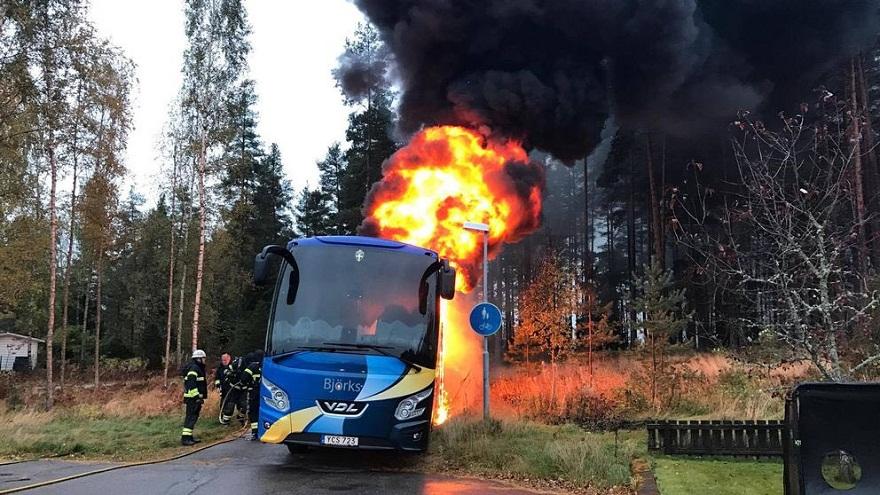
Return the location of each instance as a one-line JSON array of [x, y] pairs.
[[194, 385]]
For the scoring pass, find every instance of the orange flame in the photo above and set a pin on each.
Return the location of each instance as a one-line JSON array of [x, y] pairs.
[[444, 177], [459, 366], [450, 175]]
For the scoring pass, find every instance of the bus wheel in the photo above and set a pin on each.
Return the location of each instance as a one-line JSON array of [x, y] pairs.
[[297, 449]]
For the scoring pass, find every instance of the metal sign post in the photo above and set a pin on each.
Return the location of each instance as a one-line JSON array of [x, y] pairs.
[[486, 337], [485, 318]]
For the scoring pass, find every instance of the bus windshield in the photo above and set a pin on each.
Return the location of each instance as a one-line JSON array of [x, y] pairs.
[[356, 299]]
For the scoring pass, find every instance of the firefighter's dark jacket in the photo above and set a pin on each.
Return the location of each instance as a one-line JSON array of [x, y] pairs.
[[250, 375], [223, 375], [194, 384]]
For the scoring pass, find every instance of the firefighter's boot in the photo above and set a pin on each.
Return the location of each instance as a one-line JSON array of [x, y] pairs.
[[187, 440]]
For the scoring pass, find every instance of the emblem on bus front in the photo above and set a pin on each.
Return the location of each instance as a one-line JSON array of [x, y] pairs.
[[346, 408], [359, 255]]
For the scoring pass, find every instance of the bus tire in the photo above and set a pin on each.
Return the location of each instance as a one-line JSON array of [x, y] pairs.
[[295, 448]]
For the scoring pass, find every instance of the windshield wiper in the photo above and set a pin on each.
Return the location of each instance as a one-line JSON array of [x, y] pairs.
[[380, 349], [284, 354]]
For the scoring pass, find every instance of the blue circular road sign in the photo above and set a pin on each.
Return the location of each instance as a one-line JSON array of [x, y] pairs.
[[485, 319]]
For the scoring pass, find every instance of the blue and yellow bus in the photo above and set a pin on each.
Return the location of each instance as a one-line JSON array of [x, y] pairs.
[[352, 343]]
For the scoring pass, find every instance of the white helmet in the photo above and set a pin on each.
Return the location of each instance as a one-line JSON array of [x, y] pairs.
[[198, 353]]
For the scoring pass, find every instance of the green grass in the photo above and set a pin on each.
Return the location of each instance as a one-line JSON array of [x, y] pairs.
[[698, 476], [528, 450], [76, 433]]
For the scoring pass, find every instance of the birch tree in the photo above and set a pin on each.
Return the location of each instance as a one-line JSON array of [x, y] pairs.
[[173, 147], [214, 61], [114, 75], [58, 31]]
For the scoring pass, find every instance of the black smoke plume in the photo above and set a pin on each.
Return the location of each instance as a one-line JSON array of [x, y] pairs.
[[548, 72]]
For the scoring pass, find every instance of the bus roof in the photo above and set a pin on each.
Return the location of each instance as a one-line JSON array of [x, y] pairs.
[[355, 240]]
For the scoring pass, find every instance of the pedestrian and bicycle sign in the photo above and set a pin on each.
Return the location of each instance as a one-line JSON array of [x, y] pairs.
[[485, 319]]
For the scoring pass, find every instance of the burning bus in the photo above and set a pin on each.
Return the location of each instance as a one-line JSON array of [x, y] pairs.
[[352, 343]]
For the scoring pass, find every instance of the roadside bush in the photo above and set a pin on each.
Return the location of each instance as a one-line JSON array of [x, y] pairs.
[[735, 382], [633, 402], [589, 409], [115, 366], [10, 391]]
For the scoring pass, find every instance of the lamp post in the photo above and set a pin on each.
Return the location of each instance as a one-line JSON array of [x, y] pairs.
[[482, 227]]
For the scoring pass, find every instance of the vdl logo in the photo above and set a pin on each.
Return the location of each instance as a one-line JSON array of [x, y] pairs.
[[339, 385], [359, 255], [342, 407]]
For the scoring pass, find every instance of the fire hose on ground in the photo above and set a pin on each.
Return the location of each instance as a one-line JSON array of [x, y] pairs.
[[42, 484]]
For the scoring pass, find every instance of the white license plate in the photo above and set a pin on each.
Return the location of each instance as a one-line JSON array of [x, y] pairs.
[[339, 441]]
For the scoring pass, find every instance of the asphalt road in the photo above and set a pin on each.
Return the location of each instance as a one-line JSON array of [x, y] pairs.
[[243, 467]]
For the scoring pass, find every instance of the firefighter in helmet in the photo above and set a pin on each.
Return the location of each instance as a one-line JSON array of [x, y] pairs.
[[195, 390]]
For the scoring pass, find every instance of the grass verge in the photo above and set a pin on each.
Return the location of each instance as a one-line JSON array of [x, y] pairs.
[[565, 455], [85, 432], [698, 476]]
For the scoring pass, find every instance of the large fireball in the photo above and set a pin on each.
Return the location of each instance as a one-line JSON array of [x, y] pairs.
[[447, 176]]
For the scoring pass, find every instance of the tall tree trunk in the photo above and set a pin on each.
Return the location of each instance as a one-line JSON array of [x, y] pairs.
[[609, 239], [67, 266], [85, 323], [631, 255], [179, 339], [872, 173], [187, 215], [170, 273], [53, 266], [200, 264], [590, 331], [588, 248], [653, 368], [588, 267], [369, 139], [98, 310], [656, 224], [69, 255], [859, 191]]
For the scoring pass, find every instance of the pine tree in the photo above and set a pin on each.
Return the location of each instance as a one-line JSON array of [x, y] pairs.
[[664, 312], [312, 213], [272, 201], [369, 135], [332, 169], [369, 128], [595, 328], [243, 150]]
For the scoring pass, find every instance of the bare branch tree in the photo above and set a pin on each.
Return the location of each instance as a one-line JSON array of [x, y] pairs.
[[785, 239]]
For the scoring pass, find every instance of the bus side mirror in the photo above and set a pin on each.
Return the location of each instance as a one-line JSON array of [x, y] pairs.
[[447, 281], [261, 263], [261, 269]]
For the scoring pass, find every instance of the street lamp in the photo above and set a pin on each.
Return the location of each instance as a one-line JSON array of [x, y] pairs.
[[482, 227]]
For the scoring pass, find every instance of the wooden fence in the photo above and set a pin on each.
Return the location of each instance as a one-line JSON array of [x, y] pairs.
[[748, 438]]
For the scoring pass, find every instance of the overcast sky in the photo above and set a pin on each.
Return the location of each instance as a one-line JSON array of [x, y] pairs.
[[294, 49]]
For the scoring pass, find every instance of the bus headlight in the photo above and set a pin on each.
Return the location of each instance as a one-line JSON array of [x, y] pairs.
[[409, 407], [277, 398]]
